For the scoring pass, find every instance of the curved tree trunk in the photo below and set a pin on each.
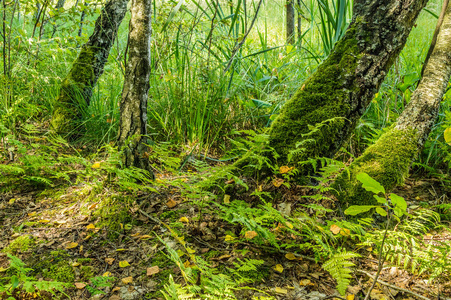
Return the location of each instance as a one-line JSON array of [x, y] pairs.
[[324, 111], [76, 88], [133, 121], [389, 159]]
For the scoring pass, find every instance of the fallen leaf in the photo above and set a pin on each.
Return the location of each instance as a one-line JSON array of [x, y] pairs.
[[91, 227], [278, 268], [123, 264], [121, 250], [171, 203], [279, 290], [187, 264], [31, 214], [285, 169], [278, 182], [350, 297], [109, 260], [184, 220], [71, 245], [80, 285], [106, 274], [44, 221], [93, 206], [115, 289], [335, 229], [224, 256], [75, 264], [228, 238], [289, 225], [226, 199], [136, 234], [447, 135], [290, 256], [127, 280], [153, 270], [305, 282], [250, 235], [95, 165], [145, 237], [345, 232]]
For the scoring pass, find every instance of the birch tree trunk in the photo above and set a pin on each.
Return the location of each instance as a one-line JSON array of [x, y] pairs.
[[76, 88], [389, 159], [133, 120], [322, 114]]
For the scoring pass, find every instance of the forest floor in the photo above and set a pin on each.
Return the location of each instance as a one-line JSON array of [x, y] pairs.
[[58, 234]]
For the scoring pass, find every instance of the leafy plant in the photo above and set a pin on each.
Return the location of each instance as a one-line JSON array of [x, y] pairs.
[[338, 266], [100, 282], [19, 281]]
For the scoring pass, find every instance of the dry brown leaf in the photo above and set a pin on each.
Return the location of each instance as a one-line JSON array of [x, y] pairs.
[[109, 260], [278, 182], [250, 235], [153, 270], [224, 256], [71, 245], [171, 203], [305, 282], [115, 289], [80, 285], [335, 229], [127, 280], [93, 206]]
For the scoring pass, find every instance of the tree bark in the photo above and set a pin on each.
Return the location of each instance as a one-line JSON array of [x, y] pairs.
[[76, 88], [290, 22], [389, 159], [299, 29], [322, 114], [133, 120]]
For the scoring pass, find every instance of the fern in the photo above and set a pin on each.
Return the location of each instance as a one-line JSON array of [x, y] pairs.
[[339, 267]]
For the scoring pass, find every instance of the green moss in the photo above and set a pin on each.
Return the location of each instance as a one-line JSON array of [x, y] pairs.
[[87, 272], [324, 96], [387, 161], [62, 271], [22, 243], [84, 260]]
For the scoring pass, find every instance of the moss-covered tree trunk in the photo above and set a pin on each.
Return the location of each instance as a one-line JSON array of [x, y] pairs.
[[389, 159], [133, 120], [338, 93], [76, 88]]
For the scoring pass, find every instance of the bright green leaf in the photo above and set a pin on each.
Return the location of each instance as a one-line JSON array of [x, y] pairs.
[[370, 184], [381, 211], [447, 135], [380, 199], [358, 209]]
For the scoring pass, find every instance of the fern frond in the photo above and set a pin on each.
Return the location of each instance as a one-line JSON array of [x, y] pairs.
[[339, 267]]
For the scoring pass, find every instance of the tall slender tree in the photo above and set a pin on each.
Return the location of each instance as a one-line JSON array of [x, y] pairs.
[[133, 119], [389, 159], [290, 22], [88, 67]]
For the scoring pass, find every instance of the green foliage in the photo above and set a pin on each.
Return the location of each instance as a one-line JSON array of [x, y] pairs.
[[338, 266], [100, 282], [22, 243], [18, 280]]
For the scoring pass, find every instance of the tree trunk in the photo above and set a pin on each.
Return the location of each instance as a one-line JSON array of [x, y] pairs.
[[133, 120], [389, 159], [299, 25], [82, 19], [324, 111], [290, 22], [76, 88]]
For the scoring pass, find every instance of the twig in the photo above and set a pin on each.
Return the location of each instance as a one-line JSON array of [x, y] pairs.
[[156, 220], [395, 287]]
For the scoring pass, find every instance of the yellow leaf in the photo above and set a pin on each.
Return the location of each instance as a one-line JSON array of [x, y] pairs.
[[106, 274], [115, 289], [136, 234], [11, 201], [171, 203], [250, 235], [187, 264], [350, 297], [278, 268], [335, 229], [228, 238], [447, 135], [31, 214], [93, 206], [226, 199], [290, 256], [80, 285], [123, 264], [44, 221], [289, 225], [95, 165], [285, 169], [153, 270], [121, 250], [75, 264], [145, 237], [184, 220], [3, 269], [279, 290], [277, 182], [190, 251], [305, 282], [90, 226], [71, 245], [127, 280], [345, 232]]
